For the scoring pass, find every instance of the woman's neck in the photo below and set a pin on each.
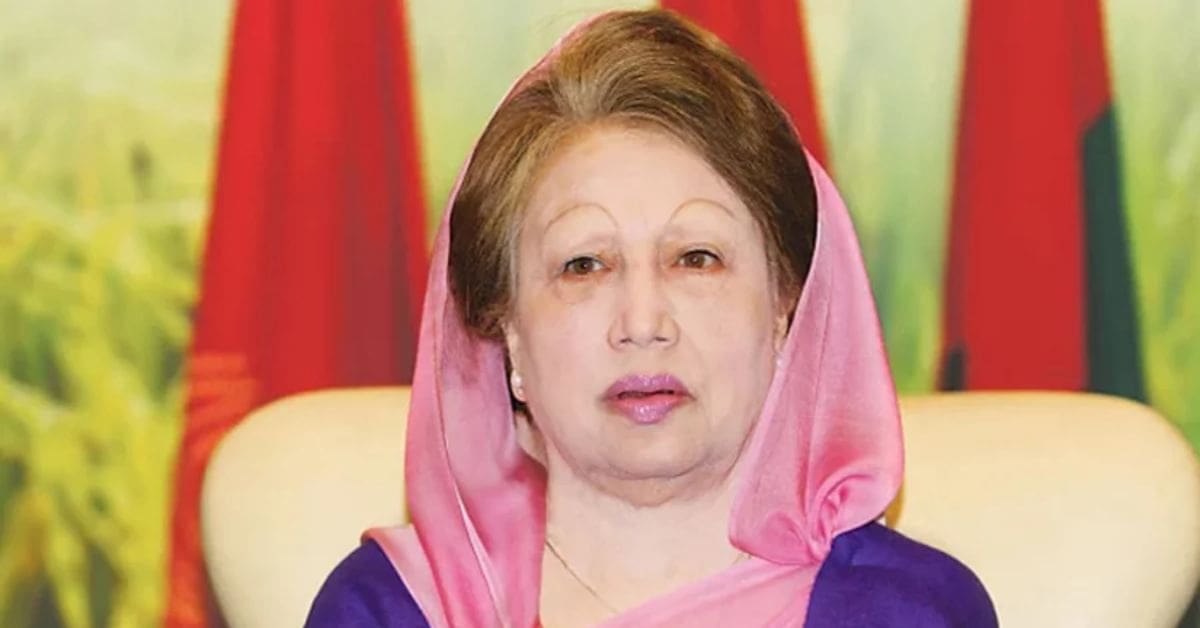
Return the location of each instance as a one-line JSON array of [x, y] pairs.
[[608, 555]]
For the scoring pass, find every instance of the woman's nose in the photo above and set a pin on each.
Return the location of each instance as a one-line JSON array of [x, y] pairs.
[[643, 315]]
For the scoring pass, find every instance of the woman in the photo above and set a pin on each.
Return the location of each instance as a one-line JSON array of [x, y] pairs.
[[651, 388]]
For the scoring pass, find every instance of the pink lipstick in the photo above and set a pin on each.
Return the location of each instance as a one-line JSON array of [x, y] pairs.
[[646, 399]]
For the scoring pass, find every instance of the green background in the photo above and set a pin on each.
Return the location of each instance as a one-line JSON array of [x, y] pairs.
[[108, 117]]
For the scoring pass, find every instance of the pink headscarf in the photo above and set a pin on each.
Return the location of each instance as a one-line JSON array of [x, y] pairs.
[[824, 457]]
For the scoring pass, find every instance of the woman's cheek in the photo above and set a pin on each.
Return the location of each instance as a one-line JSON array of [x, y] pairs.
[[570, 317], [579, 290], [725, 314], [712, 297]]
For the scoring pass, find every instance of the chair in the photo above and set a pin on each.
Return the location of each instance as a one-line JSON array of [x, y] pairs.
[[1074, 509]]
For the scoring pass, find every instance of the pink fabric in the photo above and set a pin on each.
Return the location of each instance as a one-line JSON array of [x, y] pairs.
[[825, 457]]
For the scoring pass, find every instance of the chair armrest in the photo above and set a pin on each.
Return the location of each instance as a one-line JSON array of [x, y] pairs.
[[288, 492], [1074, 509]]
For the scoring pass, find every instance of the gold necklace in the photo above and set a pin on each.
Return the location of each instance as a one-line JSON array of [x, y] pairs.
[[591, 590], [583, 583]]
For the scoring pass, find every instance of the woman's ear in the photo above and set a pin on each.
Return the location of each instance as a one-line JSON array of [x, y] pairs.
[[512, 343], [781, 329], [783, 319], [529, 437]]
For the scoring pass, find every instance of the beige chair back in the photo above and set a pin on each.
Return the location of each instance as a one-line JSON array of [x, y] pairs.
[[1074, 509]]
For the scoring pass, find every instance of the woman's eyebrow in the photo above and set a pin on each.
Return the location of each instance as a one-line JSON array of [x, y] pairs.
[[701, 201], [569, 209]]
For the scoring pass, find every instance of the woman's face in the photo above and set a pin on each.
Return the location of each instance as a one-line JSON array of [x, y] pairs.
[[645, 321]]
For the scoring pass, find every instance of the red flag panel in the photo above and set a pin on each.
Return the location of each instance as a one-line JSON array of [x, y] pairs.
[[1016, 288], [315, 261]]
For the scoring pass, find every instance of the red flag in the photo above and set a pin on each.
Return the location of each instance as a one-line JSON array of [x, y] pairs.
[[316, 260], [770, 35], [1038, 285]]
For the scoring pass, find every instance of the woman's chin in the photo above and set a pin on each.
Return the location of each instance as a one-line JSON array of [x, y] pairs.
[[653, 469]]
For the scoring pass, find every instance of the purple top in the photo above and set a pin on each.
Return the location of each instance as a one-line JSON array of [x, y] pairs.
[[873, 577]]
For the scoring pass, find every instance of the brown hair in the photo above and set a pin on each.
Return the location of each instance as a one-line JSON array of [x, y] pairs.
[[645, 68]]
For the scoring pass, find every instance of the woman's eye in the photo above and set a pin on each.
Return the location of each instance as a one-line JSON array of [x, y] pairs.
[[583, 266], [698, 258]]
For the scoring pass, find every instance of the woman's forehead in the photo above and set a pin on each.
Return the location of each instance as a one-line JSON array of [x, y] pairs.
[[629, 175]]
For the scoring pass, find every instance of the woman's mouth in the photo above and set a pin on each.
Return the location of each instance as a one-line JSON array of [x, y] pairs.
[[646, 399]]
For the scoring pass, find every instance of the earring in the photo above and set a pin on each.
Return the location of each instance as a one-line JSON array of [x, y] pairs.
[[518, 389]]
